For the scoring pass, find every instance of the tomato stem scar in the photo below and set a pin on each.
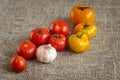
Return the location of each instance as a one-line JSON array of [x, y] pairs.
[[57, 36], [39, 31], [85, 25], [83, 8]]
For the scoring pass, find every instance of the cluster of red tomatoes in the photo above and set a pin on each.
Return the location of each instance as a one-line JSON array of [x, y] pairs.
[[56, 36]]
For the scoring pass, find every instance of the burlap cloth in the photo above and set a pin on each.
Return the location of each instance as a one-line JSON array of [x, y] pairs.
[[100, 62]]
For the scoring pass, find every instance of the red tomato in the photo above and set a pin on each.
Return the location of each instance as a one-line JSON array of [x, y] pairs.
[[26, 49], [59, 27], [58, 41], [39, 36], [18, 63]]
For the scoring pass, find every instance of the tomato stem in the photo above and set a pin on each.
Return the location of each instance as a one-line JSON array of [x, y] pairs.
[[83, 8], [79, 36], [85, 25], [39, 31], [57, 36]]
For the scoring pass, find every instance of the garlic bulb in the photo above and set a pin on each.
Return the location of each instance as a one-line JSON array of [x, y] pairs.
[[46, 53]]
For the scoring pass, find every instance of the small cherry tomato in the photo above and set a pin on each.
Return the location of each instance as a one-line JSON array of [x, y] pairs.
[[82, 14], [59, 27], [26, 49], [89, 28], [39, 36], [79, 42], [58, 41], [18, 63]]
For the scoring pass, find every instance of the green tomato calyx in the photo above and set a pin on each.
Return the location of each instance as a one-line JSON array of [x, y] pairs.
[[39, 31], [57, 36], [79, 36]]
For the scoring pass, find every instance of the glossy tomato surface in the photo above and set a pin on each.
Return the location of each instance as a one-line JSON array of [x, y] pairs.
[[18, 63], [89, 28], [26, 49], [39, 36], [58, 41], [59, 27], [82, 14], [79, 42]]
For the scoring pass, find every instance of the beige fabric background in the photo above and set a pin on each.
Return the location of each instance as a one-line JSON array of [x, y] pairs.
[[100, 62]]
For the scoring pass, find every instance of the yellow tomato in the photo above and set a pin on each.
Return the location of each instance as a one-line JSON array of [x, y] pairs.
[[79, 42], [89, 28]]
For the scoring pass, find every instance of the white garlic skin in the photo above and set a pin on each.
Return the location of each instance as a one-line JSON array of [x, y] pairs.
[[46, 53]]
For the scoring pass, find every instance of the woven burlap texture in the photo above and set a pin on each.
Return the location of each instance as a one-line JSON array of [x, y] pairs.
[[100, 62]]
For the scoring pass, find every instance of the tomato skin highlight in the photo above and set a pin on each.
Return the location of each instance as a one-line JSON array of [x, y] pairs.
[[59, 27], [58, 41], [18, 63], [26, 49], [82, 14], [39, 36]]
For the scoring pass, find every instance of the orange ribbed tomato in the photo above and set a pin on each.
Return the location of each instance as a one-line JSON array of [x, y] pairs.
[[82, 14]]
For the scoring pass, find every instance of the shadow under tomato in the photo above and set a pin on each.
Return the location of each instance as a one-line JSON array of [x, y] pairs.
[[6, 66]]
